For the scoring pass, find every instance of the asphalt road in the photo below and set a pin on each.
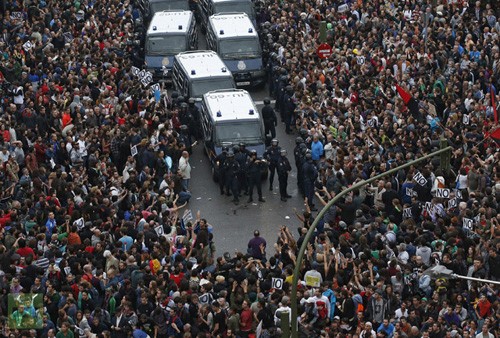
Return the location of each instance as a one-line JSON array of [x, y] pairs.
[[234, 225]]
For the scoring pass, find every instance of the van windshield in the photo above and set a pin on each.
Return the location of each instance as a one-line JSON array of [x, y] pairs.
[[249, 132], [235, 6], [201, 87], [238, 48], [169, 5], [166, 44]]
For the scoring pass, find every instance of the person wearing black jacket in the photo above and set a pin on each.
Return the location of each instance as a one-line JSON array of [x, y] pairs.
[[270, 120], [284, 169], [253, 171]]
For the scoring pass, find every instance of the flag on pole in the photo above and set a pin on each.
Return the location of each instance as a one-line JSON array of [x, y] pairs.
[[410, 102], [494, 104]]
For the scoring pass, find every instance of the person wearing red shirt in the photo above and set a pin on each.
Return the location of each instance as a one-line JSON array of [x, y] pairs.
[[246, 319], [24, 251]]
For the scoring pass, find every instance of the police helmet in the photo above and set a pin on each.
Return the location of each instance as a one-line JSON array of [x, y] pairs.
[[230, 154], [267, 101], [253, 152], [283, 152], [236, 149], [274, 142], [303, 147], [191, 100], [309, 156], [184, 105], [184, 127], [181, 99], [225, 149], [289, 88], [174, 95], [242, 145], [303, 132], [299, 140]]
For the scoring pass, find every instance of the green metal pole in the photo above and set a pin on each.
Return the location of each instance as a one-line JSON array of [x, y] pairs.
[[445, 157], [285, 324], [300, 257]]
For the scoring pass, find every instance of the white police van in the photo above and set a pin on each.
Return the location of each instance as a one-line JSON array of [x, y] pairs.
[[228, 118], [169, 33], [206, 8], [198, 72], [234, 38], [150, 7]]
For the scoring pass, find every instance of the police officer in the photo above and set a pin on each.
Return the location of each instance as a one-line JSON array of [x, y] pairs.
[[282, 83], [297, 154], [195, 126], [272, 155], [288, 108], [185, 138], [269, 116], [241, 157], [254, 171], [284, 169], [220, 161], [310, 174], [232, 169]]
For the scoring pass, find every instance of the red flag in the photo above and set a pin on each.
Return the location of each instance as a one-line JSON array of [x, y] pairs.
[[404, 94], [493, 104], [495, 134]]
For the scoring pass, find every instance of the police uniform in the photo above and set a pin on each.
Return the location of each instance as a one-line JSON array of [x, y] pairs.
[[283, 169], [270, 120], [272, 155], [241, 157], [298, 153], [232, 169], [254, 172], [221, 162]]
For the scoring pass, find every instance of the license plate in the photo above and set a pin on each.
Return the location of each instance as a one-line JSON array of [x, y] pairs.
[[244, 83]]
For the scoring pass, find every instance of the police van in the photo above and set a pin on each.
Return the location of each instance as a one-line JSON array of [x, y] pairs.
[[207, 8], [229, 117], [169, 33], [234, 38], [150, 7], [198, 72]]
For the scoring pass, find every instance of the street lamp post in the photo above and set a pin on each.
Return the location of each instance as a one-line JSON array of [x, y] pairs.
[[303, 247], [439, 271]]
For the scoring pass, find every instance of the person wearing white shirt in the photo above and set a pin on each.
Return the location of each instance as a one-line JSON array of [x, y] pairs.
[[401, 312], [485, 333], [185, 169], [368, 329]]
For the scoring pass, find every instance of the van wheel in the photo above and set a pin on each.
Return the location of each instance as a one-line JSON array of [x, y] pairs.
[[215, 177]]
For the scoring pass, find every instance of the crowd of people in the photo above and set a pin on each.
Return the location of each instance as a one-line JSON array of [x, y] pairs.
[[95, 173]]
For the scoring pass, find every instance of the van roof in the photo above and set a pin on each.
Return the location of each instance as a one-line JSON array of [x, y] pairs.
[[202, 64], [170, 22], [231, 104], [227, 25]]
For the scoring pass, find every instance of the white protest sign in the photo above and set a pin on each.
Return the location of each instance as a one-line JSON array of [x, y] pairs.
[[165, 71], [407, 213], [80, 223], [187, 216], [135, 71], [141, 74], [466, 119], [458, 194], [68, 37], [27, 45], [409, 192], [443, 193], [16, 15], [154, 87], [159, 230], [468, 224], [342, 8], [133, 150], [420, 179], [146, 79], [453, 203], [277, 283], [477, 219], [428, 207]]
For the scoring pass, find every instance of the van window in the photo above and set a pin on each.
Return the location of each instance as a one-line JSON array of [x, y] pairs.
[[170, 44], [236, 48], [169, 5], [200, 87], [248, 132], [235, 6]]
